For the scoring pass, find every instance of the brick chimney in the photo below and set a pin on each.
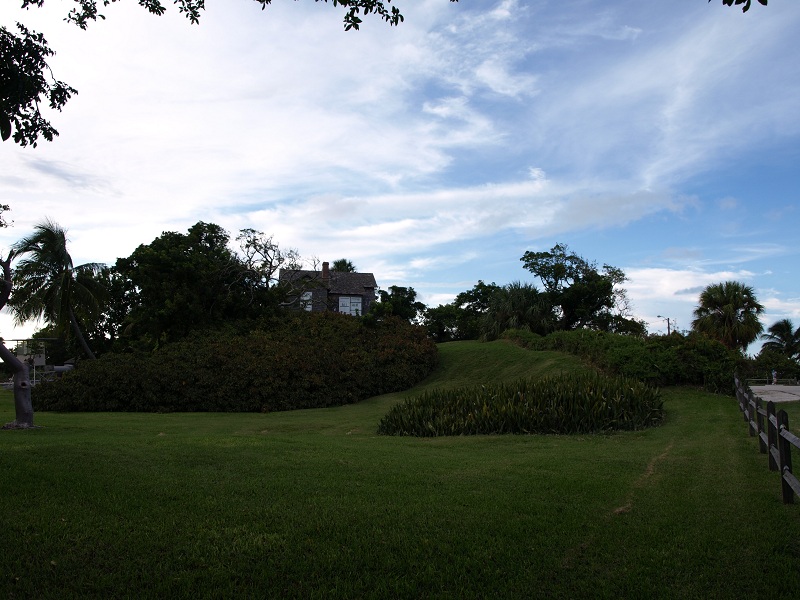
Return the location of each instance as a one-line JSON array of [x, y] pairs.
[[326, 274]]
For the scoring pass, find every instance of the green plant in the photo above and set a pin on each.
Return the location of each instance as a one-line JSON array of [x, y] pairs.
[[301, 361], [587, 403], [693, 359]]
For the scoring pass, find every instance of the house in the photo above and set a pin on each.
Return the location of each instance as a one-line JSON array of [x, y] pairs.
[[316, 291]]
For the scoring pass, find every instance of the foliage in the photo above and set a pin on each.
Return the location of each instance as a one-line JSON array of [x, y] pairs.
[[746, 3], [657, 360], [87, 10], [729, 312], [782, 337], [343, 265], [262, 257], [48, 285], [26, 80], [588, 403], [518, 306], [180, 283], [397, 302], [461, 319], [761, 366], [582, 296], [303, 360]]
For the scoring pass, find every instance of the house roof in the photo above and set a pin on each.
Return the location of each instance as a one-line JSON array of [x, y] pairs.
[[339, 283]]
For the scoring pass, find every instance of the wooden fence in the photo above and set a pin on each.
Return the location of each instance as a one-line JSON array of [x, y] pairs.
[[774, 438]]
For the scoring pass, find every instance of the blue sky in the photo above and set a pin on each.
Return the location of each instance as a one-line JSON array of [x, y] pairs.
[[658, 137]]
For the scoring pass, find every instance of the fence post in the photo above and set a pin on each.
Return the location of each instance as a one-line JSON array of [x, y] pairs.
[[772, 435], [762, 445], [785, 457], [752, 407]]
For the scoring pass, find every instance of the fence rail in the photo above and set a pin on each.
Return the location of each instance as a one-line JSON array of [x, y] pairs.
[[774, 437]]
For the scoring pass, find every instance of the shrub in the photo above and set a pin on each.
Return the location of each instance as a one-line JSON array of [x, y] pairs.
[[302, 361], [659, 360], [588, 403]]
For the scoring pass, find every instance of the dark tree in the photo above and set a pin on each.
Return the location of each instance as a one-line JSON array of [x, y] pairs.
[[50, 286], [461, 319], [518, 306], [745, 3], [343, 265], [582, 294], [179, 283], [783, 338], [26, 81], [729, 312], [442, 322], [398, 302], [262, 258]]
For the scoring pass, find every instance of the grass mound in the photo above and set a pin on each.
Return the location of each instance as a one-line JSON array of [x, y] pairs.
[[585, 403], [303, 361]]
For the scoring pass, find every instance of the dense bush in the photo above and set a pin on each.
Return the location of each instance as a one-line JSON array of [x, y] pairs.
[[762, 365], [587, 403], [659, 360], [302, 361]]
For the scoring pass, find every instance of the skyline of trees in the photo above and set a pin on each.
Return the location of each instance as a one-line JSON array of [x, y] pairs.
[[180, 283]]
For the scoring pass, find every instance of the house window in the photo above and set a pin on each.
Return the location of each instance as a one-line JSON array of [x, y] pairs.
[[350, 305], [305, 300]]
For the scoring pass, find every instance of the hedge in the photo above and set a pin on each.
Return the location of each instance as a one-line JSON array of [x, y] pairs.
[[658, 360], [302, 361]]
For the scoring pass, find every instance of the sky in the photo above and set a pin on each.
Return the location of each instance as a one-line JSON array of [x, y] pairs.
[[662, 138]]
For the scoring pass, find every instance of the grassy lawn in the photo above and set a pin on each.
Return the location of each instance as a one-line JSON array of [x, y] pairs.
[[313, 504]]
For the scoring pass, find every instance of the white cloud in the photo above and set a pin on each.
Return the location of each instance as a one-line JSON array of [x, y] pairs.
[[409, 149]]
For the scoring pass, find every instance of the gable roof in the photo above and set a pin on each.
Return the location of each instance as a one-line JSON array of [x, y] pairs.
[[348, 284]]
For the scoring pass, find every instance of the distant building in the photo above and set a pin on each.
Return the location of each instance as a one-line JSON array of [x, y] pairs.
[[318, 291]]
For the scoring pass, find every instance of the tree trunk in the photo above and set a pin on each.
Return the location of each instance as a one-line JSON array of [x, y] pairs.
[[22, 391], [22, 381], [79, 335]]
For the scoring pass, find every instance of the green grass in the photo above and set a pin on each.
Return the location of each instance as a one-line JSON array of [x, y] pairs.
[[313, 504]]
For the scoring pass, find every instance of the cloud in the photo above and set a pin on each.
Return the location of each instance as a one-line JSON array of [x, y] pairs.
[[431, 153]]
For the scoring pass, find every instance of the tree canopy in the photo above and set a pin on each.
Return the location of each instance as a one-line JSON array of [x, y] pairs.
[[462, 319], [729, 312], [50, 286], [745, 3], [26, 81], [181, 283], [343, 265], [782, 337], [398, 302], [582, 294]]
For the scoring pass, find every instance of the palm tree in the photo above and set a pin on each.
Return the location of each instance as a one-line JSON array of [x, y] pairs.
[[47, 285], [517, 306], [729, 312], [784, 338], [343, 265]]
